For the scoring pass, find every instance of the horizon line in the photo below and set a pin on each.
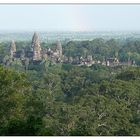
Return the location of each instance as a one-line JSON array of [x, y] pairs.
[[15, 31]]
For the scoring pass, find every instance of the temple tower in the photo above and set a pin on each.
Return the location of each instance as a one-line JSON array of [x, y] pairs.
[[36, 47], [59, 48], [12, 49]]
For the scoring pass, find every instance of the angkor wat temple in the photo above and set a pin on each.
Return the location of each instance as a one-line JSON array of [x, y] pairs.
[[34, 53]]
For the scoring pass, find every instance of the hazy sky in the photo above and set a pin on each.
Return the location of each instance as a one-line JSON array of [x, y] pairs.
[[69, 17]]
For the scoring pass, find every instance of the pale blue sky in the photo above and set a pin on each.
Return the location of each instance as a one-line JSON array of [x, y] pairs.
[[69, 17]]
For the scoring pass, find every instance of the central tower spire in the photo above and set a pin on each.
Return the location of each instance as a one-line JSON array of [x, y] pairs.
[[36, 47]]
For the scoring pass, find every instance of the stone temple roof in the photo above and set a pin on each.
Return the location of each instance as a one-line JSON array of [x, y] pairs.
[[35, 36], [35, 40], [13, 46], [58, 45]]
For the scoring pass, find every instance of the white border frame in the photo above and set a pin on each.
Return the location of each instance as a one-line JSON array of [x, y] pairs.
[[69, 1], [41, 2]]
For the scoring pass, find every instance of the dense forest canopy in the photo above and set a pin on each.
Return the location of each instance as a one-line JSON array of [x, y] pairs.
[[100, 49], [70, 100]]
